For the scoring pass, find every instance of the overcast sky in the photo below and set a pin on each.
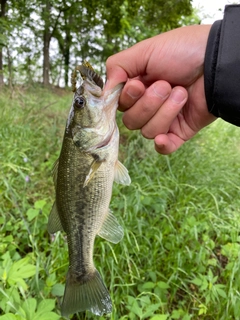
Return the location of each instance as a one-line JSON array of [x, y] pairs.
[[211, 10]]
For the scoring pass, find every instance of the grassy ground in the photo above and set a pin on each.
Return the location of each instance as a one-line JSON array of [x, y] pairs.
[[179, 258]]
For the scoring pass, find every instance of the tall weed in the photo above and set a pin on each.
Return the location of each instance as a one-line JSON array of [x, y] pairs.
[[179, 258]]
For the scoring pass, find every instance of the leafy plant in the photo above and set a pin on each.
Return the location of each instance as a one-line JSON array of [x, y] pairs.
[[179, 258]]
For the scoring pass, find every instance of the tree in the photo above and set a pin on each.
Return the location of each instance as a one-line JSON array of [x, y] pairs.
[[50, 25], [2, 32], [63, 34], [79, 30], [12, 23], [131, 21], [96, 29]]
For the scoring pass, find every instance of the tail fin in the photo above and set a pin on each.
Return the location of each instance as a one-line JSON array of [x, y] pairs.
[[89, 294]]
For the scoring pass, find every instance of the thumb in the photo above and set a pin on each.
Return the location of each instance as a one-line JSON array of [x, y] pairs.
[[115, 75], [129, 63]]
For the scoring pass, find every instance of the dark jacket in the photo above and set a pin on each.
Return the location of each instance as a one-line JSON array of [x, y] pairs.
[[222, 67]]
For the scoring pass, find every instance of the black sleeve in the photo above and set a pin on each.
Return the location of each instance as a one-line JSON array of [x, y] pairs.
[[222, 67]]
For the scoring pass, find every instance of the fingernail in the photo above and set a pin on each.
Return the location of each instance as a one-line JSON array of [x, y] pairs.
[[160, 91], [178, 96], [133, 92]]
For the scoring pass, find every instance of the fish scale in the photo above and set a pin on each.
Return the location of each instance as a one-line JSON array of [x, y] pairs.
[[83, 177]]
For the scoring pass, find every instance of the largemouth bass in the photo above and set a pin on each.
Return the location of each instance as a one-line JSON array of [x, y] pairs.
[[83, 176]]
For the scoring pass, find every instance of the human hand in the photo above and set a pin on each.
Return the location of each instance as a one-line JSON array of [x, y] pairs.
[[151, 68]]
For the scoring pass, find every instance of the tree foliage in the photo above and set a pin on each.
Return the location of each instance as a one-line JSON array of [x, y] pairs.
[[44, 39]]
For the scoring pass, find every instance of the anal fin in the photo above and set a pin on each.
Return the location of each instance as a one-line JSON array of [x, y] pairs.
[[111, 229]]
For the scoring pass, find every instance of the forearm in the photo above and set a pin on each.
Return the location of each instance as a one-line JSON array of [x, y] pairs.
[[222, 67]]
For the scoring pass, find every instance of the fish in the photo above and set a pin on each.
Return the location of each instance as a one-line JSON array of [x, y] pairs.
[[83, 177]]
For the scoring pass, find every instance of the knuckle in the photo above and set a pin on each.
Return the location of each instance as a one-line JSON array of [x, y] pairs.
[[147, 108]]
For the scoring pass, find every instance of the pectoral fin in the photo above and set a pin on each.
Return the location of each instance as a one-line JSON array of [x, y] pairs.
[[93, 169], [54, 222], [121, 174], [111, 229]]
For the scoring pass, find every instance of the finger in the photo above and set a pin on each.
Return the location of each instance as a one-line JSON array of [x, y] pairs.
[[115, 75], [165, 115], [148, 104], [124, 65], [131, 92], [167, 143]]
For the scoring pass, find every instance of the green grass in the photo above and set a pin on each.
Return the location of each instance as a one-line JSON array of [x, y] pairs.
[[179, 258]]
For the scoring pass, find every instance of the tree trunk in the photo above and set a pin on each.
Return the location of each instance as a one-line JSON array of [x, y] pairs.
[[1, 68], [66, 65], [10, 73], [46, 58], [68, 43], [46, 42], [2, 16]]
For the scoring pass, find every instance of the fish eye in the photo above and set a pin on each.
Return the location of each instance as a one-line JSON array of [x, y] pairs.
[[79, 102]]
